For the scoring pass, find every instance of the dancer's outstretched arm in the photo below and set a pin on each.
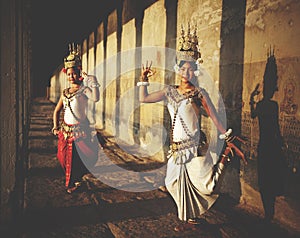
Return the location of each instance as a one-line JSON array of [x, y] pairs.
[[144, 96]]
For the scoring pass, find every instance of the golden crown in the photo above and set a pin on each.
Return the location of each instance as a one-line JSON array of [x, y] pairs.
[[188, 48], [73, 59]]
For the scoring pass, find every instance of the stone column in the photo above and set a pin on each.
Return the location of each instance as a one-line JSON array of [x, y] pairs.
[[15, 71]]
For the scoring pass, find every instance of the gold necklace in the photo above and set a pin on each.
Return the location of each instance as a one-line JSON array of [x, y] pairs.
[[185, 91]]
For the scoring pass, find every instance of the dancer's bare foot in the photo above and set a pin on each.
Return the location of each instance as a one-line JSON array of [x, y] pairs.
[[72, 189], [163, 189], [185, 227]]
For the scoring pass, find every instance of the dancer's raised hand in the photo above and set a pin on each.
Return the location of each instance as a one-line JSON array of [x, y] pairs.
[[147, 72]]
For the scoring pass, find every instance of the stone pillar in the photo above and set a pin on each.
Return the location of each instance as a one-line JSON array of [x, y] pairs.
[[91, 70], [231, 76], [171, 33], [111, 72], [99, 72], [15, 71], [138, 59]]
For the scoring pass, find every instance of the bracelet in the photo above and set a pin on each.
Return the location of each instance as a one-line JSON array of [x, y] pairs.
[[53, 129], [95, 85], [251, 103], [230, 139], [144, 79], [226, 135], [142, 84]]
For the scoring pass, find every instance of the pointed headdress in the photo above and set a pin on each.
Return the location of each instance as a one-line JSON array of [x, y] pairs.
[[73, 59], [270, 74], [188, 48]]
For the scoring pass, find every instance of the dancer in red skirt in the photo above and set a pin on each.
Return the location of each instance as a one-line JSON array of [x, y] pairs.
[[77, 147]]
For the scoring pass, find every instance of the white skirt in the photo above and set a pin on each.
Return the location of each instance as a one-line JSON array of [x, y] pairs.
[[192, 182]]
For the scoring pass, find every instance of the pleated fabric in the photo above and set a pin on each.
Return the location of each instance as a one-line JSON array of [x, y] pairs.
[[193, 184]]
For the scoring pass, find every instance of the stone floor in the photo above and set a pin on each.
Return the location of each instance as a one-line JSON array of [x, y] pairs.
[[116, 210]]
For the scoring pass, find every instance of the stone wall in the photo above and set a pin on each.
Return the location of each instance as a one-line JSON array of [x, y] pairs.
[[272, 25], [234, 38], [15, 84]]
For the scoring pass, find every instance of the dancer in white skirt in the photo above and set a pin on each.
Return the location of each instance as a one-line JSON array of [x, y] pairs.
[[192, 173]]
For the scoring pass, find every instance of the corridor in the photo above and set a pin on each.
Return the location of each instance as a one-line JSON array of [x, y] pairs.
[[98, 210], [235, 39]]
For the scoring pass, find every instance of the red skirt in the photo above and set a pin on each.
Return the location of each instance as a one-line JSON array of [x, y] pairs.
[[86, 148]]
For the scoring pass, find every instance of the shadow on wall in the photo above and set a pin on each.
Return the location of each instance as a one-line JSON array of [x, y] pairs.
[[271, 164]]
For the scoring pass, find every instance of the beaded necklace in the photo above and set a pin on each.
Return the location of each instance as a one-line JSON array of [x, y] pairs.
[[188, 95], [69, 97]]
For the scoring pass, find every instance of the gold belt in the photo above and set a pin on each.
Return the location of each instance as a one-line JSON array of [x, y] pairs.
[[185, 144], [70, 131]]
